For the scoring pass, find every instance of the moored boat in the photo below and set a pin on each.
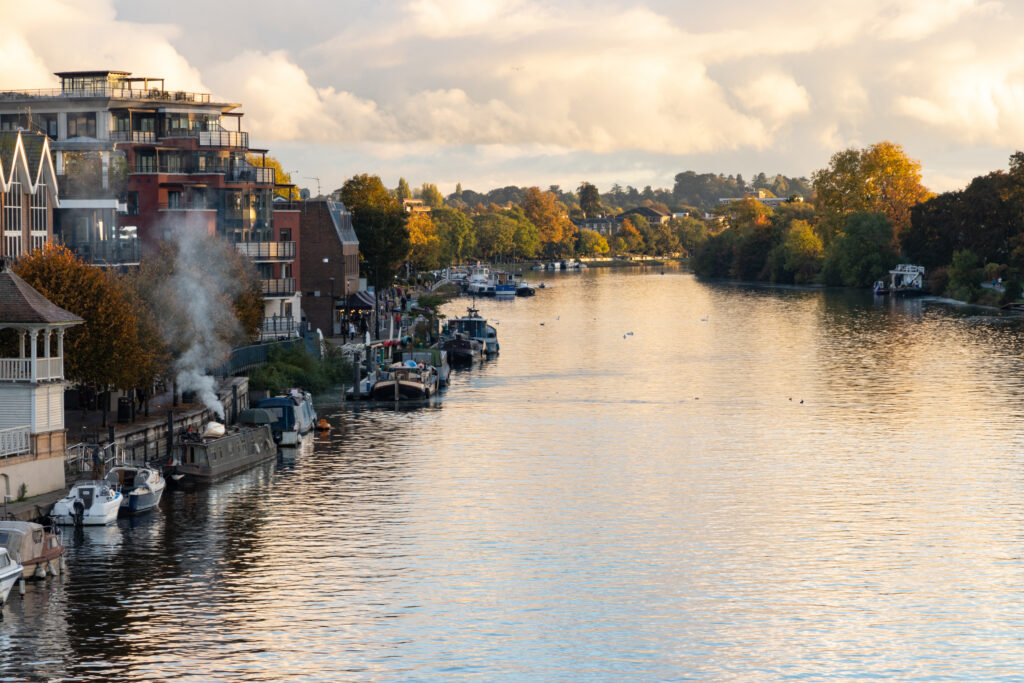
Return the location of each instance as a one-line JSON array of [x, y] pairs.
[[141, 487], [476, 327], [524, 289], [434, 357], [462, 351], [38, 549], [88, 503], [408, 380], [294, 416], [221, 451], [10, 573]]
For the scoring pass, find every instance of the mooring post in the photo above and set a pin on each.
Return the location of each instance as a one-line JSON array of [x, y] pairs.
[[234, 403], [356, 381], [170, 432]]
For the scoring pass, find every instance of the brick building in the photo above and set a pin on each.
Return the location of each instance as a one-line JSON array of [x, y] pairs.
[[329, 260]]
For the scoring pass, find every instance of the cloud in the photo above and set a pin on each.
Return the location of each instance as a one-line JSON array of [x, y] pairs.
[[777, 97]]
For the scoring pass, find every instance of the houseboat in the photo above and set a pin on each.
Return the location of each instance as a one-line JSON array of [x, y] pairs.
[[220, 451], [294, 416], [405, 381], [462, 351]]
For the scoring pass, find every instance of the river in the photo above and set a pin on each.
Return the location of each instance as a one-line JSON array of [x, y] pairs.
[[658, 479]]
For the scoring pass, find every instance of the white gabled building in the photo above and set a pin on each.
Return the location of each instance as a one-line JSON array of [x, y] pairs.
[[28, 193], [32, 433]]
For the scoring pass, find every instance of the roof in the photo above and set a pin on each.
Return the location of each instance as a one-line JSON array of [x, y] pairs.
[[22, 303], [25, 157], [65, 74]]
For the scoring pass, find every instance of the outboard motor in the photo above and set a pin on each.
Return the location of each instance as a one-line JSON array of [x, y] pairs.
[[78, 512]]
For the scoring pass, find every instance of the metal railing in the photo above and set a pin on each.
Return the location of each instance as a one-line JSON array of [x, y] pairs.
[[222, 138], [274, 328], [133, 136], [109, 252], [108, 92], [15, 441], [284, 286], [267, 251]]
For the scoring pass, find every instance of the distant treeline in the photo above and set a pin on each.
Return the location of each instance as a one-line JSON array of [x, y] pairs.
[[692, 192]]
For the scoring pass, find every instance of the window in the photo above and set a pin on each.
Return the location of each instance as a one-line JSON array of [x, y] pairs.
[[286, 234], [131, 200], [174, 199], [145, 162], [13, 221], [37, 218], [82, 125]]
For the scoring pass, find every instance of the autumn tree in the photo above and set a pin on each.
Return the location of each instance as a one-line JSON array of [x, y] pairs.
[[862, 252], [424, 241], [280, 177], [551, 218], [106, 349], [495, 234], [878, 179], [591, 243]]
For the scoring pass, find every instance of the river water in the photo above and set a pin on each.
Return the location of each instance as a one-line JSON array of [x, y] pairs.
[[659, 479]]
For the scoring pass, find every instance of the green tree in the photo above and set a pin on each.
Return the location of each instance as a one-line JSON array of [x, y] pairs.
[[403, 191], [965, 275], [495, 235], [366, 191], [690, 232], [591, 243], [798, 259], [590, 200], [526, 238], [431, 196], [862, 253], [383, 241], [455, 231]]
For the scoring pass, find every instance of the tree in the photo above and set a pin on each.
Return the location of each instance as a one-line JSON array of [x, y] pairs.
[[879, 179], [590, 200], [798, 259], [965, 275], [403, 191], [862, 253], [365, 191], [455, 230], [424, 241], [495, 235], [383, 241], [690, 232], [105, 350], [431, 196], [591, 243], [280, 177], [550, 217], [632, 240], [526, 238]]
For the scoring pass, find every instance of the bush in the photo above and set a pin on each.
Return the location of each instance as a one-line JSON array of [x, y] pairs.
[[292, 366]]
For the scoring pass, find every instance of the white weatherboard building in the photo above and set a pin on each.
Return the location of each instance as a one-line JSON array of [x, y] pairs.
[[32, 434]]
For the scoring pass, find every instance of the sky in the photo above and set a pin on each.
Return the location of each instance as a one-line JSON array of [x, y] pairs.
[[489, 93]]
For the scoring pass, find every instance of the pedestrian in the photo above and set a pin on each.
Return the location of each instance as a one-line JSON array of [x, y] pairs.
[[97, 462], [352, 331]]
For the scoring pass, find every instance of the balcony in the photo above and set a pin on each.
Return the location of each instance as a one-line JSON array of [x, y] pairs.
[[276, 327], [281, 287], [267, 251], [133, 136], [15, 441], [153, 94], [222, 138], [114, 252], [20, 369]]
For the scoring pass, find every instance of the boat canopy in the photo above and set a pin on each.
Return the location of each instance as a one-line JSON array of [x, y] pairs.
[[256, 416], [23, 540]]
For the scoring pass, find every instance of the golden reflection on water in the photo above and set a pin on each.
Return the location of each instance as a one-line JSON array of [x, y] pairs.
[[666, 479]]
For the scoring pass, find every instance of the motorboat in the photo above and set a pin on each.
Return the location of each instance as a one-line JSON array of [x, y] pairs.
[[38, 549], [10, 573], [476, 327], [294, 416], [88, 502], [140, 487], [524, 289], [462, 351], [408, 380], [220, 451]]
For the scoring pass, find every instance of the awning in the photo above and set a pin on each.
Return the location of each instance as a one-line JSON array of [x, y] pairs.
[[360, 300]]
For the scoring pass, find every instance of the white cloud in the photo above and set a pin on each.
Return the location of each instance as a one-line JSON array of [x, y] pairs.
[[777, 97]]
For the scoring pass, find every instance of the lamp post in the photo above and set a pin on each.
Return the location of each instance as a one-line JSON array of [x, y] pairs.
[[333, 313]]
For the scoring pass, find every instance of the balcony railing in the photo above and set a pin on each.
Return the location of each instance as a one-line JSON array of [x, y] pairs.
[[267, 251], [133, 136], [20, 369], [108, 92], [280, 287], [222, 138], [15, 441], [108, 252], [274, 328]]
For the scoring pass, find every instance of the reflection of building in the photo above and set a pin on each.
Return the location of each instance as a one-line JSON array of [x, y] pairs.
[[137, 161], [28, 193], [32, 435], [329, 257]]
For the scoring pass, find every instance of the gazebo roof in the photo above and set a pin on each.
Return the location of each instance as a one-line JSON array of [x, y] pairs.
[[20, 303]]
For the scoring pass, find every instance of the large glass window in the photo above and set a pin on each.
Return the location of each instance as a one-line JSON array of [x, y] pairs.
[[37, 218], [82, 125], [145, 162], [13, 221]]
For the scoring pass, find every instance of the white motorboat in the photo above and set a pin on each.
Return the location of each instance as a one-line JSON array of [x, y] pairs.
[[140, 487], [89, 502], [37, 549], [10, 574], [294, 416]]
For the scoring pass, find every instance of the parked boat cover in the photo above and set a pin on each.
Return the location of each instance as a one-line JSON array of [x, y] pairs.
[[23, 540]]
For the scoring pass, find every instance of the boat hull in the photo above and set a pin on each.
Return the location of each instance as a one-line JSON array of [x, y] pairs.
[[134, 503], [205, 462], [10, 576], [103, 505]]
